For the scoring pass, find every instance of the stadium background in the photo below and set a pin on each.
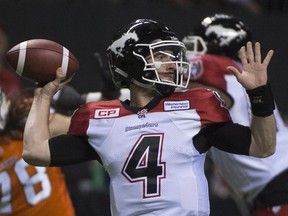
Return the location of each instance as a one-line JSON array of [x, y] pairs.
[[87, 26]]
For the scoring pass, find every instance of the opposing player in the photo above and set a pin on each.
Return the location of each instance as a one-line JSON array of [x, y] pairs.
[[262, 183], [25, 189], [154, 145]]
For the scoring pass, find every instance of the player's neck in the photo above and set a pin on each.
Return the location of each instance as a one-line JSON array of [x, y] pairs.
[[139, 96]]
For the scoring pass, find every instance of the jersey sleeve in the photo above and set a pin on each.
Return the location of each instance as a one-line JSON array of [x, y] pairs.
[[80, 121], [228, 137], [217, 128], [208, 104], [74, 147], [67, 150]]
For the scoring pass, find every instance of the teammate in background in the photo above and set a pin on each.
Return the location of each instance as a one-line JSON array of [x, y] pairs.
[[9, 81], [25, 189], [262, 183], [154, 145]]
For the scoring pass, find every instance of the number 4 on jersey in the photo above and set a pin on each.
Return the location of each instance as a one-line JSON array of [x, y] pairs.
[[144, 164]]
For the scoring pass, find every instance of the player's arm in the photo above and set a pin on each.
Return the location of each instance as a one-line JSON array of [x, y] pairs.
[[58, 124], [36, 134], [226, 136], [254, 79]]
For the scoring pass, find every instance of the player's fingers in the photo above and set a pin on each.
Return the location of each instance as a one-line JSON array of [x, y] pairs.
[[62, 77], [268, 57], [257, 52], [59, 74], [242, 55], [56, 83], [250, 53], [234, 70]]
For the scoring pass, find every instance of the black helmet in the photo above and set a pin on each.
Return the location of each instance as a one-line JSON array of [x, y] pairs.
[[223, 34], [137, 40]]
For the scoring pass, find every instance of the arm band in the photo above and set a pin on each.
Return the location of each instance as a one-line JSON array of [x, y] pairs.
[[68, 150], [262, 102], [226, 136]]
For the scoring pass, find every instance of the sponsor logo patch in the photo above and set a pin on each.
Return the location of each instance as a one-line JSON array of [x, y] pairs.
[[176, 105], [142, 113], [107, 113]]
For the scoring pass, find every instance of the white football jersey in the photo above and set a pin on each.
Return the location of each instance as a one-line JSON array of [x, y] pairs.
[[247, 175], [149, 155]]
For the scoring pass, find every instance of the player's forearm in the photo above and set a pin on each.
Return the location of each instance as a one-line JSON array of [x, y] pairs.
[[263, 125], [263, 131], [36, 134], [56, 128]]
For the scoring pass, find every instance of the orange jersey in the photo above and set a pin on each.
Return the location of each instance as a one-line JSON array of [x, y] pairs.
[[29, 190]]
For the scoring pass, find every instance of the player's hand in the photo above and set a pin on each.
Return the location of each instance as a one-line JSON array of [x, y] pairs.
[[254, 72], [50, 89]]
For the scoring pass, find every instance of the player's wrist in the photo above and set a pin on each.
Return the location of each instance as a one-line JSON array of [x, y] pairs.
[[262, 101]]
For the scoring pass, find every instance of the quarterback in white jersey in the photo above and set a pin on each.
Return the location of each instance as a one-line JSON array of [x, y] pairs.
[[154, 145], [248, 176], [152, 156]]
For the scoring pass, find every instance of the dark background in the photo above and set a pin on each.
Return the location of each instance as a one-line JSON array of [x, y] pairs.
[[86, 27]]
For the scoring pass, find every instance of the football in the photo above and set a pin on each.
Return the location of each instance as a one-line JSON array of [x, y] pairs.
[[38, 60]]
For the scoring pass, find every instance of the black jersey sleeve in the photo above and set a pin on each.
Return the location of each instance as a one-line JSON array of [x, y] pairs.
[[67, 150], [226, 136]]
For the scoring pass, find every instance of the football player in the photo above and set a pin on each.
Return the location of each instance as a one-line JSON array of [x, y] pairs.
[[26, 189], [262, 183], [153, 146]]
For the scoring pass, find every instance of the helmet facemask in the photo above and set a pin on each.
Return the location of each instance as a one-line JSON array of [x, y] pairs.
[[161, 53], [194, 44]]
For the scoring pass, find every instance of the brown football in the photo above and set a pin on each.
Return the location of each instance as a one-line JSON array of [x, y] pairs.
[[38, 59]]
